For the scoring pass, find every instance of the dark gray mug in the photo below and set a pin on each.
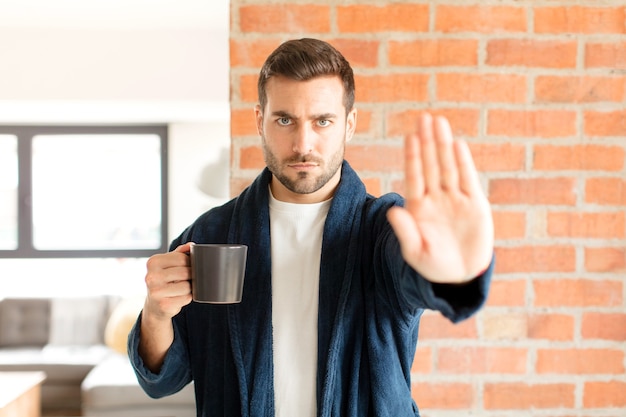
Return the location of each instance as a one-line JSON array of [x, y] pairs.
[[217, 272]]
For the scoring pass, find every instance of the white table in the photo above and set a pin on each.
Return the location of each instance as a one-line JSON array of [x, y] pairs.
[[20, 394]]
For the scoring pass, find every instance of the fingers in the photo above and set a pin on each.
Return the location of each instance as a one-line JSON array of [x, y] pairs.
[[469, 182], [435, 162], [428, 150], [413, 170], [448, 172], [168, 267], [168, 280]]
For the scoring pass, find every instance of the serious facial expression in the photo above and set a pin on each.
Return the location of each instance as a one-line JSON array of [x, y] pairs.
[[304, 129]]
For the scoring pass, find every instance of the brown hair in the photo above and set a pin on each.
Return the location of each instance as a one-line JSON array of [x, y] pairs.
[[304, 59]]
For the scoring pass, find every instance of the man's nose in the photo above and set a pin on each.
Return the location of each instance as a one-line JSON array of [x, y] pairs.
[[303, 140]]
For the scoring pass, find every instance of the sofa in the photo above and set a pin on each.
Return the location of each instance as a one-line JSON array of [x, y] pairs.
[[80, 344]]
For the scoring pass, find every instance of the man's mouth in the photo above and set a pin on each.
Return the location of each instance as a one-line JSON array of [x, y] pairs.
[[303, 165]]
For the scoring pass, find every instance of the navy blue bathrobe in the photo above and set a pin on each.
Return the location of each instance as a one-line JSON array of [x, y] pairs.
[[370, 303]]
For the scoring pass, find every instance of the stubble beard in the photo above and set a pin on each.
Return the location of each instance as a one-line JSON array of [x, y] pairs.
[[305, 183]]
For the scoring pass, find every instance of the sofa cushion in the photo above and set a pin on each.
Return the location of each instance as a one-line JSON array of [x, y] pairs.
[[120, 323], [78, 321], [113, 385], [24, 322]]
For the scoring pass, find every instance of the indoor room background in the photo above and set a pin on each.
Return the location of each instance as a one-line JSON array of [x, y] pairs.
[[118, 63], [537, 87]]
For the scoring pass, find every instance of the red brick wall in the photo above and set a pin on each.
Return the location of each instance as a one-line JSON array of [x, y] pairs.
[[539, 90]]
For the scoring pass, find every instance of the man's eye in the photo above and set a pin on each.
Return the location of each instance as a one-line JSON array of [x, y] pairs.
[[323, 122], [285, 121]]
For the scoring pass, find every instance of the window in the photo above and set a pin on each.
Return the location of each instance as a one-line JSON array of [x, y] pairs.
[[83, 191], [8, 192]]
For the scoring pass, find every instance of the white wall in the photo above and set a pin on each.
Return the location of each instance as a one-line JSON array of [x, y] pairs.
[[120, 64], [199, 171], [112, 64]]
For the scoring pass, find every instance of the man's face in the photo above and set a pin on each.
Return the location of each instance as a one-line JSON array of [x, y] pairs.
[[304, 130]]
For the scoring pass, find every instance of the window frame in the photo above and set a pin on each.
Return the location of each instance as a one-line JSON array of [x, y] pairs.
[[25, 135]]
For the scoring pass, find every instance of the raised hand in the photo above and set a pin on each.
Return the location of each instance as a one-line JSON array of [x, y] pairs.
[[445, 229]]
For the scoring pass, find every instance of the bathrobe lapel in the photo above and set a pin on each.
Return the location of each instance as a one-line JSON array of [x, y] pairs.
[[251, 321], [340, 252]]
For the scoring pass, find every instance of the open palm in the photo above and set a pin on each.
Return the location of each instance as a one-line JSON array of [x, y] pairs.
[[445, 229]]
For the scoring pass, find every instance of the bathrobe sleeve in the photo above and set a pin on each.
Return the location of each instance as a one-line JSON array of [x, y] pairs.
[[173, 375], [456, 302]]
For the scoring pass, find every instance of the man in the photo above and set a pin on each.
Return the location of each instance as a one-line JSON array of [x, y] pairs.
[[336, 279]]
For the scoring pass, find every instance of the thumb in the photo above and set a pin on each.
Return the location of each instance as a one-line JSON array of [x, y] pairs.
[[184, 248], [406, 230]]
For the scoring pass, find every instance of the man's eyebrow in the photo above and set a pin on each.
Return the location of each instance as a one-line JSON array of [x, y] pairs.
[[324, 116], [320, 116], [282, 113]]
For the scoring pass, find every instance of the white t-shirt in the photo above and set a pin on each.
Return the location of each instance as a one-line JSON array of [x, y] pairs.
[[296, 246]]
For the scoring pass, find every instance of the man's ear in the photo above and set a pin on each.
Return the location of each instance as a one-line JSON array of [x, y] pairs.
[[258, 115], [350, 124]]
